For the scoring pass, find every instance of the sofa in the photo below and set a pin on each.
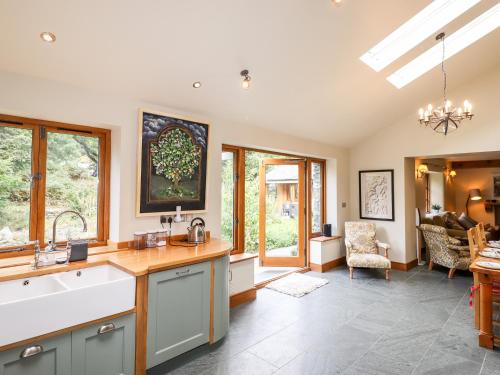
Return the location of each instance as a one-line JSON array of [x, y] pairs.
[[457, 226]]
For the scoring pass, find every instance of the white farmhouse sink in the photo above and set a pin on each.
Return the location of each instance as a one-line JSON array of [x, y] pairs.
[[43, 304]]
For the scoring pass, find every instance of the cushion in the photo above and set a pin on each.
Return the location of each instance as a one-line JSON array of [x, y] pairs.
[[466, 221], [451, 221], [361, 236], [368, 261]]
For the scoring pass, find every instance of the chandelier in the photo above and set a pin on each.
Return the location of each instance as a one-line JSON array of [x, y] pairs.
[[446, 118]]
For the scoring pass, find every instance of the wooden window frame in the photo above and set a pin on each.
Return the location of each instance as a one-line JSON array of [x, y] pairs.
[[40, 129], [239, 153], [322, 163]]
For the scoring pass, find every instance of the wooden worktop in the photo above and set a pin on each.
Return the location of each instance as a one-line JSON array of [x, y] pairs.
[[135, 262]]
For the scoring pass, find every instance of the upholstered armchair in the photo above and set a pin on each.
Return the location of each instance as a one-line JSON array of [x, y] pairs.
[[363, 249], [445, 250]]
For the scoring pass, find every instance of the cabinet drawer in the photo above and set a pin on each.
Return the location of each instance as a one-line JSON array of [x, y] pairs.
[[105, 348], [47, 357], [178, 311]]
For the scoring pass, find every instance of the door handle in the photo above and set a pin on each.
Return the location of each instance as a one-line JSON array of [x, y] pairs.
[[182, 273], [106, 328], [30, 351]]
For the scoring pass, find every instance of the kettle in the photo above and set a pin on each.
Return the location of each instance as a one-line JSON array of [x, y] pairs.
[[196, 231]]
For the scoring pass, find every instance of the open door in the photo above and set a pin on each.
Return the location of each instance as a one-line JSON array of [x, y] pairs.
[[282, 213]]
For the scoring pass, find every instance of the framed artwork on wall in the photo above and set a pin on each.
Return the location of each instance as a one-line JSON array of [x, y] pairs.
[[172, 156], [496, 186], [376, 194]]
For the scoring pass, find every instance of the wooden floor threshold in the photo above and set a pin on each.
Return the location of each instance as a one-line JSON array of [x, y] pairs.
[[262, 284]]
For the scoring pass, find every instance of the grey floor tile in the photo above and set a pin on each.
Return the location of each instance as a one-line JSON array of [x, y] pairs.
[[375, 364], [491, 364], [242, 364], [440, 363], [459, 340], [312, 363]]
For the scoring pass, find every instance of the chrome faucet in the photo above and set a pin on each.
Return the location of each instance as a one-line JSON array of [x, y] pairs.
[[54, 226]]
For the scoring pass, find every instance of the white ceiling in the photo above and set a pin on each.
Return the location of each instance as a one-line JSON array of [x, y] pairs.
[[303, 56]]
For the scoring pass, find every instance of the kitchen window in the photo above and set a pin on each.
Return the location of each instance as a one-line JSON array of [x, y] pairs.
[[47, 168]]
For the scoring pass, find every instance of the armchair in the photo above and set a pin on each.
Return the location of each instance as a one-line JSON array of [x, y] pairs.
[[362, 248], [445, 250]]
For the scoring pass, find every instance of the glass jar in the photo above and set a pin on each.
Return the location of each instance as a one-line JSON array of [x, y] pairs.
[[139, 240], [151, 238], [161, 237]]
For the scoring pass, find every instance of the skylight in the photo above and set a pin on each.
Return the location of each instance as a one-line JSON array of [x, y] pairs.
[[418, 28], [462, 38]]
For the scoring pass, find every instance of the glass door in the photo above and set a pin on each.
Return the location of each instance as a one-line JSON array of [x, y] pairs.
[[282, 212]]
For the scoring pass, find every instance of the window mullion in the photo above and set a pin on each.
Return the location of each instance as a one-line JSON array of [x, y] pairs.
[[41, 164]]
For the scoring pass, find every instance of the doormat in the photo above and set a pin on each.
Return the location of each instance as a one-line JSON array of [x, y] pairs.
[[297, 284]]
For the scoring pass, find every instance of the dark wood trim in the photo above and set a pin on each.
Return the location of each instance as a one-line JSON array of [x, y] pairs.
[[475, 164], [243, 297], [64, 330], [404, 266], [241, 257], [212, 312], [327, 266], [141, 324], [326, 239], [40, 129], [391, 171]]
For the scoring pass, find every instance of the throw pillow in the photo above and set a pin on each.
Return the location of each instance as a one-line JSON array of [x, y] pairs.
[[466, 221], [451, 221]]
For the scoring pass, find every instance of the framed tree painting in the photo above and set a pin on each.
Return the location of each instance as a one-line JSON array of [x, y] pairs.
[[172, 164], [376, 194]]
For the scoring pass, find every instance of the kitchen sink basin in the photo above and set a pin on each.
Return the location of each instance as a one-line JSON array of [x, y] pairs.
[[91, 276], [15, 290], [43, 304]]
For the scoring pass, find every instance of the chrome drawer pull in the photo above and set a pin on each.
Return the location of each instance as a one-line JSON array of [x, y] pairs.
[[106, 328], [181, 273], [30, 351]]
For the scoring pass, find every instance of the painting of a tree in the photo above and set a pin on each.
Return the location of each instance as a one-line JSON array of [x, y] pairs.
[[173, 164], [175, 156]]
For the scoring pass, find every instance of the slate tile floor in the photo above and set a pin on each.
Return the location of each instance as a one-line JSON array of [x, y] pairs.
[[418, 323]]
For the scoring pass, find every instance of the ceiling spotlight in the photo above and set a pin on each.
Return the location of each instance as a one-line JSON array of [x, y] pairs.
[[197, 84], [48, 37], [246, 79], [337, 2]]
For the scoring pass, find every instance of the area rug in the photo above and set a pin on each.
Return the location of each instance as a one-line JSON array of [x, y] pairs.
[[297, 284]]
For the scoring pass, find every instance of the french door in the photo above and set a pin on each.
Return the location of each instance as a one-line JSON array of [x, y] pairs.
[[282, 212]]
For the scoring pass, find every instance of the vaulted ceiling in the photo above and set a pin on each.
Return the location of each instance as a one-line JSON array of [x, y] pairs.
[[303, 56]]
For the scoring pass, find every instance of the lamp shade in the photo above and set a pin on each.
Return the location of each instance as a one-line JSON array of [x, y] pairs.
[[475, 194]]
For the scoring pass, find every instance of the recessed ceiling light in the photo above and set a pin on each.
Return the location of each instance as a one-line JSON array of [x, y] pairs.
[[336, 1], [418, 28], [48, 37], [460, 39], [197, 84]]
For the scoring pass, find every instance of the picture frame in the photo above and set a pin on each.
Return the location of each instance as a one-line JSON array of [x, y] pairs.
[[172, 164], [376, 194], [496, 185]]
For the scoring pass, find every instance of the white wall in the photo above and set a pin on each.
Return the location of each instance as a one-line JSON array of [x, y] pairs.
[[388, 148], [31, 97]]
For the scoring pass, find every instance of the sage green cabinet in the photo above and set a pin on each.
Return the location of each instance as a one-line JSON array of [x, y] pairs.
[[178, 311], [47, 357], [105, 348], [221, 298]]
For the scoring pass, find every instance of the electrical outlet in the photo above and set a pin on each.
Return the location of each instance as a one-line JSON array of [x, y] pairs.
[[344, 204], [163, 219]]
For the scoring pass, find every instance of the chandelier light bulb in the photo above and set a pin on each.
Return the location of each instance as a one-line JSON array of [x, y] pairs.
[[429, 108], [421, 113]]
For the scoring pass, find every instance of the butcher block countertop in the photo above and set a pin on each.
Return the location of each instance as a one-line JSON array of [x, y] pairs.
[[135, 262]]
